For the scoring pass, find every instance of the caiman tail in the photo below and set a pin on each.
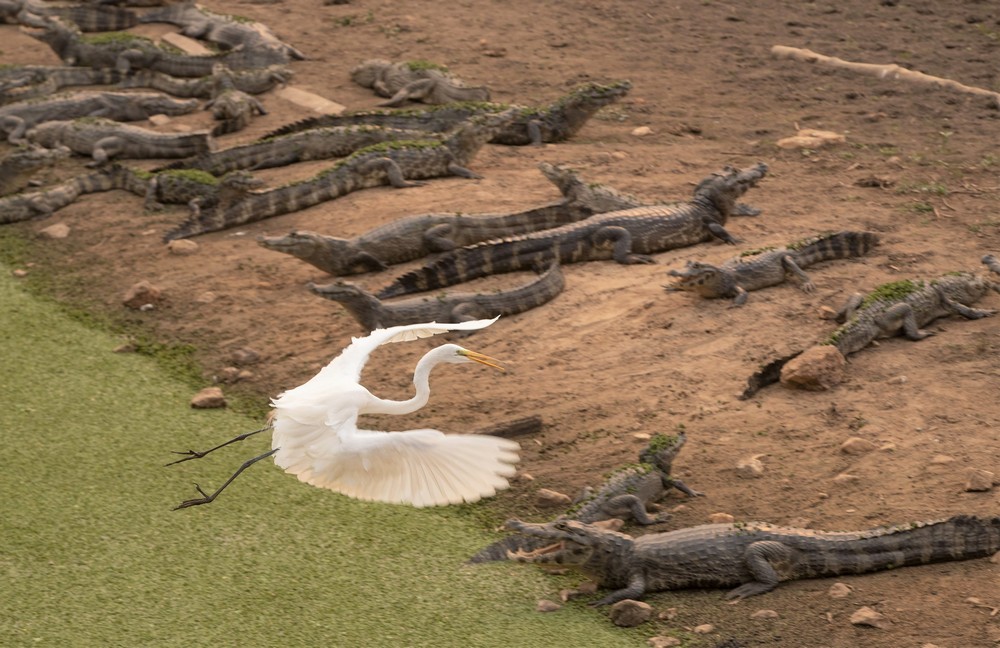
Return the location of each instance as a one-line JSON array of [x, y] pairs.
[[841, 245], [961, 537]]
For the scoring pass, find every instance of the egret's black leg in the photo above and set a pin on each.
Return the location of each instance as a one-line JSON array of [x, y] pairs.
[[194, 454], [208, 499]]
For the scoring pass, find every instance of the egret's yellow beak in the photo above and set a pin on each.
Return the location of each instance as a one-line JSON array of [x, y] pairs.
[[482, 359]]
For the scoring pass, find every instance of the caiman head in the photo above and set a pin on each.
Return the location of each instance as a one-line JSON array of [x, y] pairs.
[[964, 287], [334, 255], [696, 277], [366, 72], [722, 189], [52, 31], [662, 450], [591, 97], [596, 551]]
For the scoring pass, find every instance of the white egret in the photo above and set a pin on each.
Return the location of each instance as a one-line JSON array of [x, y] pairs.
[[315, 433]]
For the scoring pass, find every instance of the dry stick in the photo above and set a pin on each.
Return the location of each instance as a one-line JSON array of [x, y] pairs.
[[886, 71]]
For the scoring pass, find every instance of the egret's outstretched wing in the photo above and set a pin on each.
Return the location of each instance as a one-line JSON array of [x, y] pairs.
[[350, 362], [417, 467]]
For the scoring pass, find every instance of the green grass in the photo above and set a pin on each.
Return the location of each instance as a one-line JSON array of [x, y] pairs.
[[93, 555]]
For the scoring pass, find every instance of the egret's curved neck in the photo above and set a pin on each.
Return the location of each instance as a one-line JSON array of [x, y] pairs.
[[421, 382]]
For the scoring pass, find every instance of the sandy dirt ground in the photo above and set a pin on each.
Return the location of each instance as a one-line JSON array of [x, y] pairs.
[[614, 357]]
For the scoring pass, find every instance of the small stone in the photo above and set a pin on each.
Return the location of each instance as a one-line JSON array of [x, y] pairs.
[[898, 380], [525, 476], [182, 247], [940, 459], [629, 613], [128, 347], [57, 231], [721, 518], [978, 480], [705, 628], [567, 594], [667, 615], [815, 369], [619, 155], [206, 297], [245, 356], [545, 605], [663, 642], [641, 436], [587, 587], [142, 294], [995, 558], [750, 467], [159, 120], [845, 478], [888, 446], [642, 131], [614, 524], [866, 616], [680, 508], [549, 497], [19, 273], [208, 398], [764, 614], [857, 445], [929, 645], [811, 139], [827, 313], [245, 374], [227, 374], [839, 590]]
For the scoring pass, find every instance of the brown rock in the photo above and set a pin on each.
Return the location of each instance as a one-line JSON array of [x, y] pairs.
[[551, 498], [705, 628], [816, 369], [866, 616], [764, 614], [613, 524], [245, 356], [57, 231], [206, 297], [721, 518], [750, 467], [979, 480], [845, 478], [663, 642], [182, 247], [995, 558], [839, 590], [545, 605], [142, 295], [857, 445], [642, 131], [19, 273], [667, 615], [208, 398], [629, 613]]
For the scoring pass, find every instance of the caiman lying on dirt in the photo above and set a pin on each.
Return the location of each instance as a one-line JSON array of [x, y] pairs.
[[556, 122], [104, 139], [626, 494], [769, 267], [893, 308], [628, 236], [395, 163], [753, 556], [373, 313], [413, 237], [414, 81]]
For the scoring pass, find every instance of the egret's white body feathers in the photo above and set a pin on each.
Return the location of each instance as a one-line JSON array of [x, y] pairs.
[[317, 438]]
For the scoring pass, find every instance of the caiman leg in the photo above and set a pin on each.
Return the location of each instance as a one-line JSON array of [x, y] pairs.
[[635, 589], [436, 238], [462, 172], [847, 310], [900, 316], [741, 297], [535, 132], [743, 209], [806, 283], [670, 482], [415, 90], [760, 558], [104, 149], [621, 239], [965, 311], [392, 170], [635, 506], [720, 232]]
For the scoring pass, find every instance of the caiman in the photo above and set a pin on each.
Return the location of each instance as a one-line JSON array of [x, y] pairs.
[[627, 236], [556, 122], [758, 269], [414, 81], [230, 105], [17, 118], [196, 189], [898, 307], [231, 32], [626, 494], [127, 52], [400, 164], [103, 139], [372, 313], [753, 556], [24, 82], [305, 146], [413, 237], [17, 168], [87, 17], [253, 81]]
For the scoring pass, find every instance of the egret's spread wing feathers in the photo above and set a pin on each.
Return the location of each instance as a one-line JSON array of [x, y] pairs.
[[352, 359], [418, 467]]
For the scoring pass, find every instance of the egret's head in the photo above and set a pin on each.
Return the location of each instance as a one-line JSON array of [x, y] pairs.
[[455, 353]]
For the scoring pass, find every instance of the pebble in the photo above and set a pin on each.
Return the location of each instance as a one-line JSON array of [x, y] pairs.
[[898, 380], [629, 613], [940, 459], [20, 272], [57, 231], [868, 617], [845, 478], [667, 615], [750, 467], [663, 642], [721, 518], [857, 445], [642, 131], [208, 398], [995, 558], [641, 436], [206, 297], [545, 605], [705, 628], [245, 356], [811, 138], [839, 590], [182, 247], [764, 614], [549, 497], [979, 480], [142, 294]]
